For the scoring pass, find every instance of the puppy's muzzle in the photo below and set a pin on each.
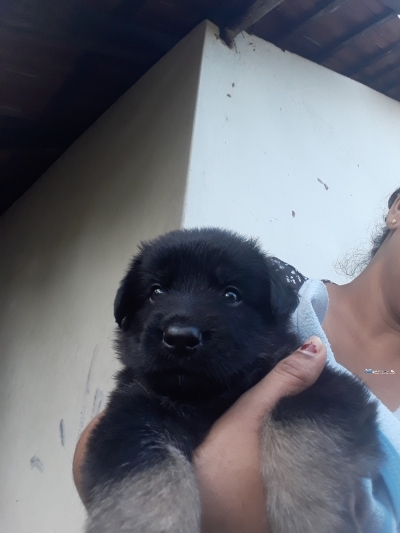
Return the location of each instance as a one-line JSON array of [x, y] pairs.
[[182, 339]]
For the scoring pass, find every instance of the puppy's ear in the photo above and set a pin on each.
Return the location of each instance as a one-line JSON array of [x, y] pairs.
[[284, 299], [127, 300], [120, 304]]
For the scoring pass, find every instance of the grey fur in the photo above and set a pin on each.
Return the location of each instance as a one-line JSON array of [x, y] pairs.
[[313, 486], [309, 478], [162, 499]]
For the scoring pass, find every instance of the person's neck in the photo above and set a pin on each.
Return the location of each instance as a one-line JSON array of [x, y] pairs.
[[358, 314], [364, 332]]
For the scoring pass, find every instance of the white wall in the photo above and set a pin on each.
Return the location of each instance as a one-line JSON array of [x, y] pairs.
[[258, 154], [64, 247]]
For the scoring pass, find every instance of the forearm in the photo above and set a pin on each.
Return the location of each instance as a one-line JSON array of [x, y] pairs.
[[79, 456]]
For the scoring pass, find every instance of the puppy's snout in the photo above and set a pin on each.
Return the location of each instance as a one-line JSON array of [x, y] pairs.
[[182, 338]]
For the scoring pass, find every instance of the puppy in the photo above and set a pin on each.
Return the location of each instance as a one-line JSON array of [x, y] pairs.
[[203, 316]]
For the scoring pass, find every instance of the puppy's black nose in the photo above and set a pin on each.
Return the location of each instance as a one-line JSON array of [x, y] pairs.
[[182, 338]]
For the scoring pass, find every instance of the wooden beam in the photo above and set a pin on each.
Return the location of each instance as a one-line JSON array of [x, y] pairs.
[[254, 13], [377, 21], [373, 59], [81, 44], [390, 86], [103, 34], [13, 122], [393, 4], [34, 138], [311, 18], [381, 74]]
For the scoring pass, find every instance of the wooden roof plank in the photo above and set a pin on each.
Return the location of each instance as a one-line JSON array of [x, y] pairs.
[[374, 59], [312, 18], [393, 4], [377, 21], [381, 74], [254, 13], [390, 86]]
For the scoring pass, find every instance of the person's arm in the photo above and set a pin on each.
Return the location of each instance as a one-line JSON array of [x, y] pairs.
[[227, 463], [79, 456]]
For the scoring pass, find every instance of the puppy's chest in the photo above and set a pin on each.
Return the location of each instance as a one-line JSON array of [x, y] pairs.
[[195, 421]]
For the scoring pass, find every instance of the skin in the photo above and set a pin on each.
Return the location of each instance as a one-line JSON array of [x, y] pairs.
[[363, 319], [231, 450], [363, 328]]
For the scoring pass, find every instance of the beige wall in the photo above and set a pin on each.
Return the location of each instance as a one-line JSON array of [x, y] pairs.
[[64, 248]]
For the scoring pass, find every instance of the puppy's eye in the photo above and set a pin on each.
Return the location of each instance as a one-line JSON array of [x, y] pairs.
[[156, 291], [231, 296]]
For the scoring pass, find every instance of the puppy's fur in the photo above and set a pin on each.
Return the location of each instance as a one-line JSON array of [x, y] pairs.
[[203, 316]]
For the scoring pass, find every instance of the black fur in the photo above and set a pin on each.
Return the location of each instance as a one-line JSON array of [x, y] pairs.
[[171, 393]]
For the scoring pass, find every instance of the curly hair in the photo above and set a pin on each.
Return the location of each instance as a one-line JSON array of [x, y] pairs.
[[355, 261], [380, 236]]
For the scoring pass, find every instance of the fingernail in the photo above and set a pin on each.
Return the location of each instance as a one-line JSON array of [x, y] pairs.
[[309, 348]]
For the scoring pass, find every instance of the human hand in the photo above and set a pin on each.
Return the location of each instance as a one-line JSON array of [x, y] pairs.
[[227, 463]]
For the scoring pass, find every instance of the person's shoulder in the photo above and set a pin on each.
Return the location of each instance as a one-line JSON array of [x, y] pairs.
[[287, 273]]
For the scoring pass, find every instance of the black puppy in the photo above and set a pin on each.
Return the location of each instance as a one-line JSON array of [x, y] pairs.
[[203, 316]]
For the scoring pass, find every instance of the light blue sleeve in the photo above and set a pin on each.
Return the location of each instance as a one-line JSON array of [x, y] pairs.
[[383, 493]]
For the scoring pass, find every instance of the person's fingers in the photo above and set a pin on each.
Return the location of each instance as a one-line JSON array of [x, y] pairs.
[[290, 376], [227, 463]]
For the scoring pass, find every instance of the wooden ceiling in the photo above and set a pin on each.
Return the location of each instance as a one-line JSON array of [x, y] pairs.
[[64, 62]]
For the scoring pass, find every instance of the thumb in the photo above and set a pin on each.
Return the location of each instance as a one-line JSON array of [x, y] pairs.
[[289, 377]]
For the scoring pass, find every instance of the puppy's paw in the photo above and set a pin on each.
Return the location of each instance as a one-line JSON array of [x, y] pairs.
[[312, 484], [161, 499]]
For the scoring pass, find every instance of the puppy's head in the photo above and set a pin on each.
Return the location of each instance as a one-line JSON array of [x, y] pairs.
[[200, 311]]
